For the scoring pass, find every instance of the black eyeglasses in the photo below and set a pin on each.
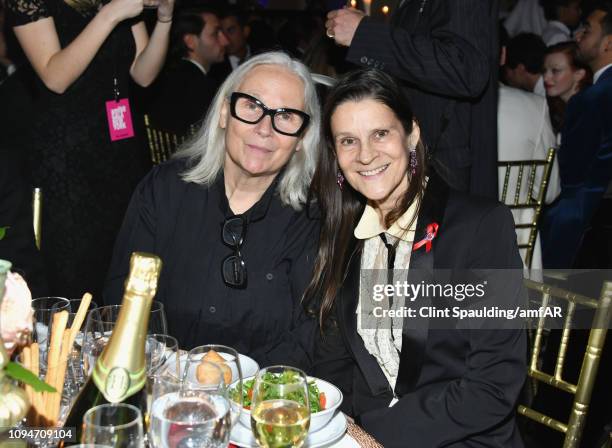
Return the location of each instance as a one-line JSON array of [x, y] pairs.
[[233, 268], [249, 109]]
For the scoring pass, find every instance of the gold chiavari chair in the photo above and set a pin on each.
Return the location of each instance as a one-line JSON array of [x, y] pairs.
[[583, 388], [162, 144], [528, 180], [37, 215]]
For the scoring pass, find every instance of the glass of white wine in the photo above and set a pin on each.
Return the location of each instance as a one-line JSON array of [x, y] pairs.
[[280, 410]]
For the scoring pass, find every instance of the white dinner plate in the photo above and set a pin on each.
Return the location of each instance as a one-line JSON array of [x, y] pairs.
[[332, 432]]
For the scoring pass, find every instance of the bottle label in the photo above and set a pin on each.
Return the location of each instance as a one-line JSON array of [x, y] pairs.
[[117, 385]]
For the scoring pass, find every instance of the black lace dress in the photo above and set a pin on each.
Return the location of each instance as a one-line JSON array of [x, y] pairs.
[[87, 180]]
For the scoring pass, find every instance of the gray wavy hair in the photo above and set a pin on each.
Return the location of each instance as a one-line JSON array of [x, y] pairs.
[[206, 150]]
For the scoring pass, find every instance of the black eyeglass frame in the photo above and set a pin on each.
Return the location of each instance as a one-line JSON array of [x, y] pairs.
[[234, 259], [235, 96]]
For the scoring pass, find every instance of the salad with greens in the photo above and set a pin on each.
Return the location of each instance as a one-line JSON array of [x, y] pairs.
[[316, 398]]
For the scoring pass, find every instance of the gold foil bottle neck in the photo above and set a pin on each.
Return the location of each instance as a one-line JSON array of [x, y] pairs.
[[144, 273]]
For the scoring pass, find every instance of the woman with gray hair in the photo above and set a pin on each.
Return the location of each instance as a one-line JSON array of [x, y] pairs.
[[229, 218]]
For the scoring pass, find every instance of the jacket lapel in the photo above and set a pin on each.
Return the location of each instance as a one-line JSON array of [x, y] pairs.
[[415, 331], [349, 297]]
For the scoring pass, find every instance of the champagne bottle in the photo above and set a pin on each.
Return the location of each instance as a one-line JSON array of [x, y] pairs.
[[119, 374]]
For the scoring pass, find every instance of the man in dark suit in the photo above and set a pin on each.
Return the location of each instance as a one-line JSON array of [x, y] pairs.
[[585, 156], [446, 53], [185, 90], [236, 30]]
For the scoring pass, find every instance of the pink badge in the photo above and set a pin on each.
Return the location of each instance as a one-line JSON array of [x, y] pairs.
[[119, 119]]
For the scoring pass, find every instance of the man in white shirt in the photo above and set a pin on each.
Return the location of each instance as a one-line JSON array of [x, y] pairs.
[[563, 16], [524, 132], [524, 59]]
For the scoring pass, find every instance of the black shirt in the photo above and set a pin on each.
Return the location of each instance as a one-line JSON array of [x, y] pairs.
[[182, 223]]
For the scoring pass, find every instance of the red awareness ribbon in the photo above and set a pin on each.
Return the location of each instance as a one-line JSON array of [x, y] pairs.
[[430, 233]]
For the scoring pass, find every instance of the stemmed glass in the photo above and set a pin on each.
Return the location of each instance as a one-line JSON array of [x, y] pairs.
[[157, 320], [280, 411], [44, 308], [184, 414], [118, 425], [100, 324], [161, 358], [75, 377], [228, 361]]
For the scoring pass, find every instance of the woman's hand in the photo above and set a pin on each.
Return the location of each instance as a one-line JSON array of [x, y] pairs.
[[120, 10], [164, 10]]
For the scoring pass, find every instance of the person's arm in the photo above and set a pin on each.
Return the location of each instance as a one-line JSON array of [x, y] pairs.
[[151, 52], [451, 59], [59, 67], [484, 397]]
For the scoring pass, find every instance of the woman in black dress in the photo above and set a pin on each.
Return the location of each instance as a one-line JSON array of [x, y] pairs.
[[84, 52], [228, 218]]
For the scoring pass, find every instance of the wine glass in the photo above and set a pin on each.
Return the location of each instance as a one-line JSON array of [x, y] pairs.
[[184, 414], [44, 308], [280, 411], [115, 424], [158, 323], [228, 361], [75, 364], [161, 358], [99, 325], [160, 351]]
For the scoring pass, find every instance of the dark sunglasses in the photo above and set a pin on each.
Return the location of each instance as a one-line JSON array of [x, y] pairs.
[[249, 109], [233, 268]]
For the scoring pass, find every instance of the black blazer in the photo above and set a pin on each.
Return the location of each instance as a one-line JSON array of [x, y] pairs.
[[181, 97], [455, 387], [446, 53]]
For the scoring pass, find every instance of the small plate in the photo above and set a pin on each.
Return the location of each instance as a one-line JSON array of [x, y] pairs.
[[330, 433], [248, 365]]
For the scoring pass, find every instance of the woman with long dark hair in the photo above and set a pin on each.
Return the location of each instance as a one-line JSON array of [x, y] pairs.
[[408, 382]]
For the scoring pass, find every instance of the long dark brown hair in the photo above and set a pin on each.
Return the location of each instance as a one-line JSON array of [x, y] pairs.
[[341, 209]]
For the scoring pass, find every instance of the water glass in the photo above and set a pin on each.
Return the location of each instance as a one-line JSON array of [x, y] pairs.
[[118, 425], [187, 416], [228, 361]]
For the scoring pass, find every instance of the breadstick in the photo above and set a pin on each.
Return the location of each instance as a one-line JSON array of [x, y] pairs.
[[38, 396], [55, 345], [26, 359], [60, 377], [80, 317]]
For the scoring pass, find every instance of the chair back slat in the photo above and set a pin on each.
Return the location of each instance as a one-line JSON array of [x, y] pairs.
[[163, 144], [583, 388], [524, 189]]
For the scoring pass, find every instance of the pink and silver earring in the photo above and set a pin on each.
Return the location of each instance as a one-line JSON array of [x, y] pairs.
[[413, 161], [340, 179]]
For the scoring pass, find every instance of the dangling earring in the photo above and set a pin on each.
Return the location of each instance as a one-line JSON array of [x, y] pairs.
[[340, 179], [413, 161]]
